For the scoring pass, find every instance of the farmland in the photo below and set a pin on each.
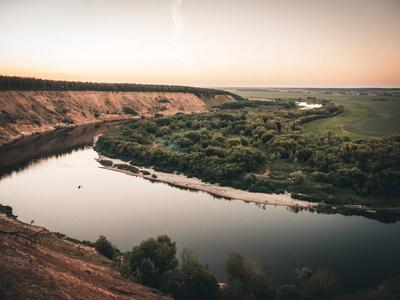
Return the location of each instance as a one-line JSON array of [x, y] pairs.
[[363, 117]]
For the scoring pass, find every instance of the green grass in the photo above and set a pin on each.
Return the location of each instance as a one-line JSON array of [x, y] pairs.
[[383, 117], [353, 113], [363, 117]]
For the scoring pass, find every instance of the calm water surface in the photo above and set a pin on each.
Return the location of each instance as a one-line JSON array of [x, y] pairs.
[[129, 209]]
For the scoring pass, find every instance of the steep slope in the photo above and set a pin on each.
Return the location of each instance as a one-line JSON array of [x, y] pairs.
[[25, 112], [47, 267]]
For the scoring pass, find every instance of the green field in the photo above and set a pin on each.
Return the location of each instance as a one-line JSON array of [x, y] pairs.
[[363, 117]]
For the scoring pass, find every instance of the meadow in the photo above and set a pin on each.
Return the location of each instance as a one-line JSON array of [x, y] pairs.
[[363, 117]]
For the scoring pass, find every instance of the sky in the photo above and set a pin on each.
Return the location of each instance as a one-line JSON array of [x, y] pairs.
[[217, 43]]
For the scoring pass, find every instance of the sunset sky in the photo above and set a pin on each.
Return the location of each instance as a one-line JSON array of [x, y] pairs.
[[263, 43]]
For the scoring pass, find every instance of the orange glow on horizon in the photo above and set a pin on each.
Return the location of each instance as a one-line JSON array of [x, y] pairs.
[[228, 43]]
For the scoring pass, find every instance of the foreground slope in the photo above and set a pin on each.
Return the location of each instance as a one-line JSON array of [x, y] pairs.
[[43, 266]]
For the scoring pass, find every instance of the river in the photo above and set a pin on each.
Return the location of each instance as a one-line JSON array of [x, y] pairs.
[[40, 176]]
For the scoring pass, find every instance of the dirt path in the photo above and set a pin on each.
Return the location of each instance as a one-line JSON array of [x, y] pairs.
[[345, 131], [267, 171]]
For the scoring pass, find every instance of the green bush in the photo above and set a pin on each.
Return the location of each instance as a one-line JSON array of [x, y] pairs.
[[247, 279], [192, 280], [129, 111], [150, 261], [106, 162], [104, 247], [5, 209], [129, 168], [298, 177]]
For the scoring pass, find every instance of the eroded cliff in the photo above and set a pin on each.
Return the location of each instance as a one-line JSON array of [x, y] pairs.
[[26, 112]]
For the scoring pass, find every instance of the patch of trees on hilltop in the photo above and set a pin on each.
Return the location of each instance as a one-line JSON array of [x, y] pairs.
[[29, 83]]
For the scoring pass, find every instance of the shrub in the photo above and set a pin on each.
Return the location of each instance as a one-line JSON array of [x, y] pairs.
[[129, 168], [298, 177], [192, 280], [152, 259], [5, 209], [104, 247], [247, 279], [106, 162], [129, 111]]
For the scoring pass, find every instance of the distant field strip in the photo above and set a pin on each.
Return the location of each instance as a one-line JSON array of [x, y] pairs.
[[383, 118], [363, 117], [353, 112]]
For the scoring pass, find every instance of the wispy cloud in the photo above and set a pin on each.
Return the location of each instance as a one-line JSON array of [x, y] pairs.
[[178, 31]]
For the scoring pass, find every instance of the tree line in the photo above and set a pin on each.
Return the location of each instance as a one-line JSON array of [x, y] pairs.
[[29, 83]]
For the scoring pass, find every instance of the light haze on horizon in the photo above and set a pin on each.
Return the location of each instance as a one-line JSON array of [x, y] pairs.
[[303, 43]]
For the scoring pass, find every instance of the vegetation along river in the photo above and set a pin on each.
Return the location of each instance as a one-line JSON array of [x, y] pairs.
[[40, 176]]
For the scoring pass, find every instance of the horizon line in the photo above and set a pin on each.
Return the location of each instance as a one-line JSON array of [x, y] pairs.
[[211, 87]]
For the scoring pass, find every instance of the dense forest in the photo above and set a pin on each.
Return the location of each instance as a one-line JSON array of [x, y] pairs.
[[233, 147], [155, 263], [27, 83]]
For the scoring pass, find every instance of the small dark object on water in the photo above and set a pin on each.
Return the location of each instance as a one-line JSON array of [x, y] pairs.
[[80, 186]]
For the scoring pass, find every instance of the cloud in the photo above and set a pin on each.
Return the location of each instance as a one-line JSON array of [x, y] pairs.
[[178, 32]]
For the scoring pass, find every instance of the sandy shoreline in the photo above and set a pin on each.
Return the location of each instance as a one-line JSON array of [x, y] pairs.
[[214, 189]]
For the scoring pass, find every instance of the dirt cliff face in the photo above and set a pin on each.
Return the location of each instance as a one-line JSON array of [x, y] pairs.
[[25, 112], [34, 264]]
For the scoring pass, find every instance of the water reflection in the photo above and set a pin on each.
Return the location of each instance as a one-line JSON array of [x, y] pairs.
[[305, 105], [129, 209], [21, 153], [30, 150]]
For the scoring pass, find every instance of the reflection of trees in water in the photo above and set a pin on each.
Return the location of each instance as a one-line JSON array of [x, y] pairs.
[[22, 153], [20, 166], [296, 209], [388, 219]]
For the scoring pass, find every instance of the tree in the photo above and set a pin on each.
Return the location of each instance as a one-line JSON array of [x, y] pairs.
[[104, 246], [388, 290], [234, 267], [287, 292], [322, 285], [234, 291], [146, 273], [192, 280], [248, 278], [153, 258], [298, 177]]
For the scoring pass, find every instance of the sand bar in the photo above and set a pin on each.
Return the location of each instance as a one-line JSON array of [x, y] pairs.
[[214, 189]]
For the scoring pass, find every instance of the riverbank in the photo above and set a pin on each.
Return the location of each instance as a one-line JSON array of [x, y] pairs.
[[182, 181]]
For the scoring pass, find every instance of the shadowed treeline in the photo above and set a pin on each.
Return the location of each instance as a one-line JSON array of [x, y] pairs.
[[154, 263]]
